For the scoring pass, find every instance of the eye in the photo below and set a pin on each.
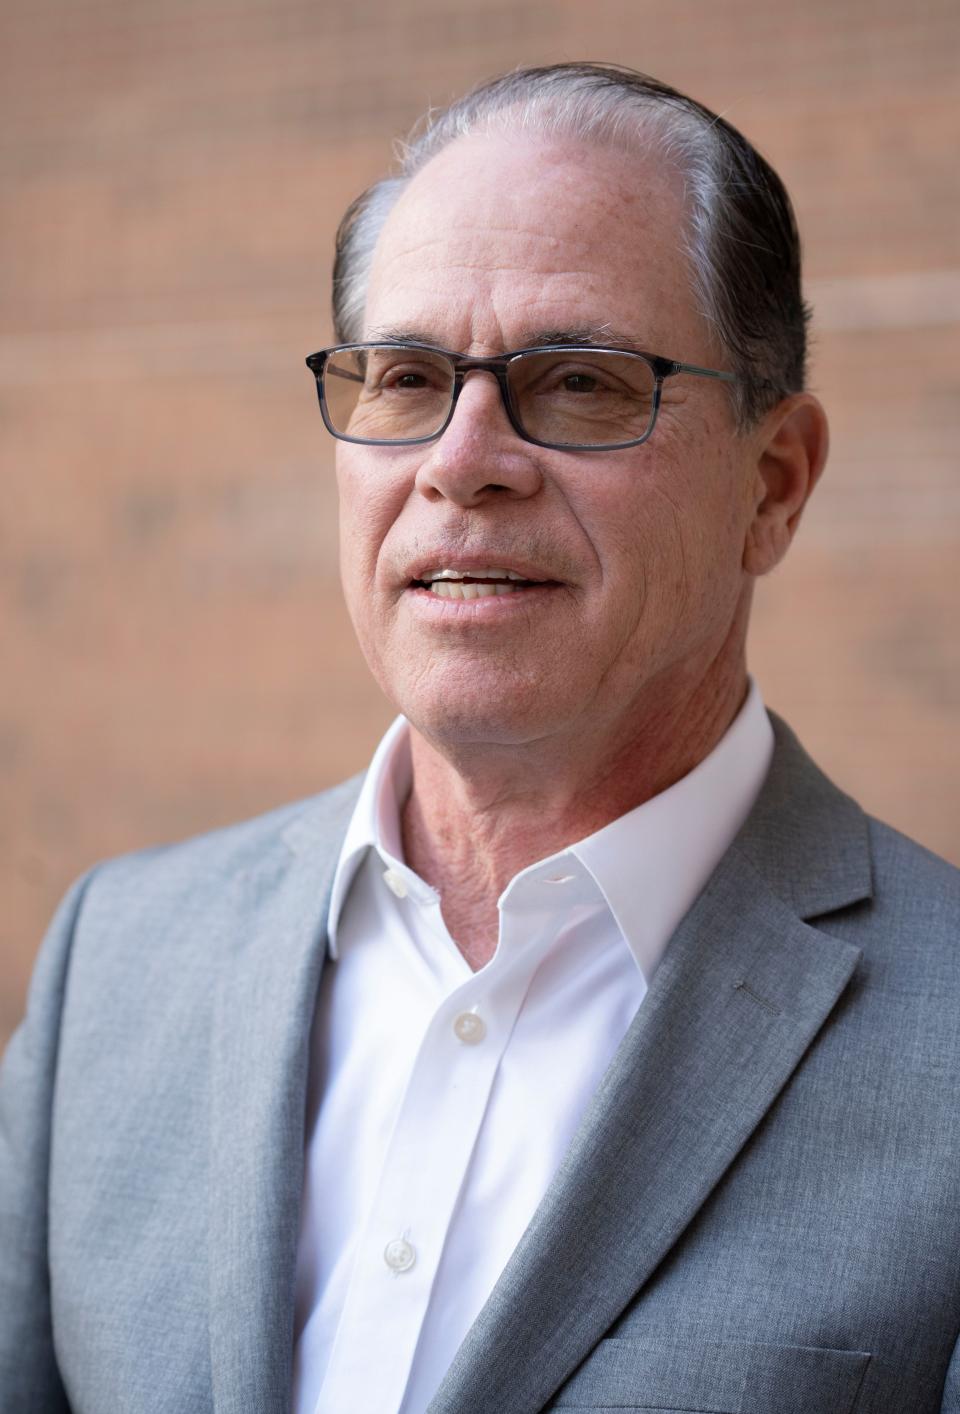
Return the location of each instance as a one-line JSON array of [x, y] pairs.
[[405, 376], [576, 379], [580, 383]]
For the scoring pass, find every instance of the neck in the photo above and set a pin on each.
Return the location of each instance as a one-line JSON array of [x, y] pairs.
[[477, 816]]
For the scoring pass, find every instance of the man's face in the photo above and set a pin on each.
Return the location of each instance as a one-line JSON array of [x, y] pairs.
[[636, 554]]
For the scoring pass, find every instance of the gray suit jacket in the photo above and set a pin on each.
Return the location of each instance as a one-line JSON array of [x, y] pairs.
[[760, 1213]]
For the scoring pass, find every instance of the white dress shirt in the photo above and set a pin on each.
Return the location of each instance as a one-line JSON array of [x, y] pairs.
[[441, 1101]]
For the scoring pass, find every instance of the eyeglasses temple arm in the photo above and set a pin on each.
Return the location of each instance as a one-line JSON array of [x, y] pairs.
[[704, 372]]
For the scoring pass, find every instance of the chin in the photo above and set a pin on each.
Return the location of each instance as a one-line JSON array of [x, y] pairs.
[[480, 717]]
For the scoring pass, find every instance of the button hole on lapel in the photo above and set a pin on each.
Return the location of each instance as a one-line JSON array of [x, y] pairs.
[[741, 986]]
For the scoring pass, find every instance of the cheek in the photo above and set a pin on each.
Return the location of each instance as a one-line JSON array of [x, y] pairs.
[[676, 541], [369, 505]]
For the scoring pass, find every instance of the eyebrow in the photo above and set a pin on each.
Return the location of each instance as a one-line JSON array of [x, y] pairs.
[[384, 335], [584, 335], [581, 336]]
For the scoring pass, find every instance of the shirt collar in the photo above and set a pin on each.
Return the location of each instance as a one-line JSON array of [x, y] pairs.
[[375, 823], [649, 864]]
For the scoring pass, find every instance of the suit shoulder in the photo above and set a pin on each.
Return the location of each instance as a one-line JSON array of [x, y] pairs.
[[217, 856]]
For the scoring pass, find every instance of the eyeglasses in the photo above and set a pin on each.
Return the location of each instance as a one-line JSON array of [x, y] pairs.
[[568, 397]]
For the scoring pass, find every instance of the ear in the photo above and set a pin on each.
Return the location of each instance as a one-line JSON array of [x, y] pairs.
[[791, 451]]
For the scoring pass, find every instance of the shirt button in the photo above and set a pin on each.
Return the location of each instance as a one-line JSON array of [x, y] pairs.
[[396, 883], [399, 1255], [469, 1028]]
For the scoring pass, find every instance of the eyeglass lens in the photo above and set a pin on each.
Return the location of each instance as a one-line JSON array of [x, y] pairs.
[[588, 397]]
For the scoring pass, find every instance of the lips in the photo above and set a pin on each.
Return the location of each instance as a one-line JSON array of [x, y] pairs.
[[499, 569], [480, 582]]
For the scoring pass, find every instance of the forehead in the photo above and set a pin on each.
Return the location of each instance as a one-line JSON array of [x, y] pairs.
[[496, 238]]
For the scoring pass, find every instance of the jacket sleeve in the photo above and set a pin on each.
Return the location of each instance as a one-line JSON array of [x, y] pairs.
[[29, 1378]]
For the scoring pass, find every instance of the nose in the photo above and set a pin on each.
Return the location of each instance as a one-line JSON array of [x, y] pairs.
[[479, 456]]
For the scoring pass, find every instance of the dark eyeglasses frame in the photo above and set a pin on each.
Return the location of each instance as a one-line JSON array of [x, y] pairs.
[[462, 364]]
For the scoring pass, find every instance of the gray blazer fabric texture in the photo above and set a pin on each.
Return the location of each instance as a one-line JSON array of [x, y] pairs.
[[760, 1213]]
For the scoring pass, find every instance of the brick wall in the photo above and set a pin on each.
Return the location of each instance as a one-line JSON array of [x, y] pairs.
[[175, 653]]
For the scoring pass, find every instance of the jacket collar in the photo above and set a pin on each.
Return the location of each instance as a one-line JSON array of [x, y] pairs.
[[263, 1016], [806, 839]]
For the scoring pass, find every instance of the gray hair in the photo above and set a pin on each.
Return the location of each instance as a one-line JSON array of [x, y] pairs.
[[741, 236]]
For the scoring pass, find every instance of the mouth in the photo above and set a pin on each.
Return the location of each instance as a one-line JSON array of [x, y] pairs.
[[480, 583]]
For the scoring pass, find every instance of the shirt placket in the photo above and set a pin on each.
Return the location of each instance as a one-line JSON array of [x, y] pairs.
[[429, 1152]]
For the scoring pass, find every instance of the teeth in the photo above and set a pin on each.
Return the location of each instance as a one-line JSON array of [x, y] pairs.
[[456, 589], [433, 575], [473, 583]]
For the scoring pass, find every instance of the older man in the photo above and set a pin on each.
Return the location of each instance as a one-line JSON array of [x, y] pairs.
[[630, 1078]]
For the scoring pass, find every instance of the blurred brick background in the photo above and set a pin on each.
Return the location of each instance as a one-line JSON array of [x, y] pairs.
[[174, 651]]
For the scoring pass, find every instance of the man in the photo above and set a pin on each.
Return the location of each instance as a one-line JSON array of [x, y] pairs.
[[629, 1078]]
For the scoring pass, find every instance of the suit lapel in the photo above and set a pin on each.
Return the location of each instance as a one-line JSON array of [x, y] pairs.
[[742, 991], [260, 1058]]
